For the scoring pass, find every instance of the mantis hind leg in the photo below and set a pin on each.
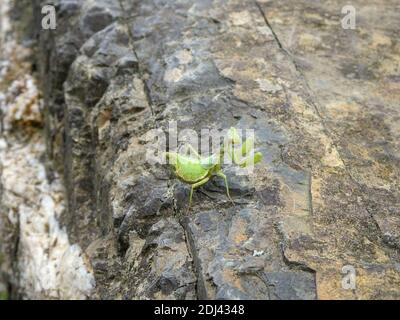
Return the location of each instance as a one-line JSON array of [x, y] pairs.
[[194, 186], [223, 176]]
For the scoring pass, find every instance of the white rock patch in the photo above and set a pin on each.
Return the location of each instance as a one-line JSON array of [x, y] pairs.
[[49, 267]]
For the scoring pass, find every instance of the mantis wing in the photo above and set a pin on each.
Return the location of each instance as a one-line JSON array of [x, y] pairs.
[[209, 162]]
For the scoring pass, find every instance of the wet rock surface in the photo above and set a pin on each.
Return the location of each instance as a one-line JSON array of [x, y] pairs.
[[323, 102]]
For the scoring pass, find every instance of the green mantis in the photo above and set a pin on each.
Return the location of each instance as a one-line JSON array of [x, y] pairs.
[[196, 170]]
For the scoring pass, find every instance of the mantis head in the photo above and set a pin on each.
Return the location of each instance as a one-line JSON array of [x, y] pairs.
[[243, 155], [232, 136]]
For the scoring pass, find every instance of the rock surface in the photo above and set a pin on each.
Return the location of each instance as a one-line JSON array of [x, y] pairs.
[[323, 102]]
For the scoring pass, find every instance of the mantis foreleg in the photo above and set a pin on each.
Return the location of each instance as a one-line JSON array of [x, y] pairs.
[[251, 159]]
